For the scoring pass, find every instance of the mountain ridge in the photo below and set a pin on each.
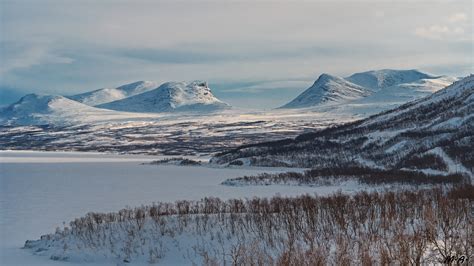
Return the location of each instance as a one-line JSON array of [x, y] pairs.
[[380, 79], [376, 86], [105, 95], [170, 97], [328, 95]]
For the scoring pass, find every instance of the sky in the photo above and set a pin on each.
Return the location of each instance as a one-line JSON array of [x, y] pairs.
[[254, 54]]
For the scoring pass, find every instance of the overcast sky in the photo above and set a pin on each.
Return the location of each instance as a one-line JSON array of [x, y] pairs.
[[252, 54]]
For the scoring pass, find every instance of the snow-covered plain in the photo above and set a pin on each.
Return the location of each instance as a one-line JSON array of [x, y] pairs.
[[41, 190]]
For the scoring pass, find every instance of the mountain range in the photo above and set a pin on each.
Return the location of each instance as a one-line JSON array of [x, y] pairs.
[[131, 101], [362, 93], [378, 86]]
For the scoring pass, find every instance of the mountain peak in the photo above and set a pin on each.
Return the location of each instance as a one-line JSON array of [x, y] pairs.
[[326, 76], [193, 85], [199, 83], [171, 96], [33, 100], [328, 89], [138, 86]]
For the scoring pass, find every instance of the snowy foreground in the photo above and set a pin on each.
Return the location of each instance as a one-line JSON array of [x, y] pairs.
[[41, 190]]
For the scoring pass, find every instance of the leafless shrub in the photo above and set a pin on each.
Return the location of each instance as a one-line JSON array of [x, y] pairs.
[[404, 227]]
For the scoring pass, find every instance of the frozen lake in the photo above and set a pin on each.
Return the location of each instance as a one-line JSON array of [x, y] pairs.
[[41, 190]]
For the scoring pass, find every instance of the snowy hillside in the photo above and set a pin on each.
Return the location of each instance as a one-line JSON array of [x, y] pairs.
[[394, 96], [58, 111], [406, 92], [34, 109], [106, 95], [369, 92], [457, 100], [328, 90], [171, 96], [379, 79], [431, 134]]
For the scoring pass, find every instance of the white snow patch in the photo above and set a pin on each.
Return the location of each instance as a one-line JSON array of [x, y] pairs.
[[396, 146], [453, 166]]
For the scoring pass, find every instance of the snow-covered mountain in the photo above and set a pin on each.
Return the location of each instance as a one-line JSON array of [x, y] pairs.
[[171, 96], [106, 95], [432, 134], [33, 109], [55, 110], [329, 97], [405, 92], [369, 92], [328, 89], [380, 79]]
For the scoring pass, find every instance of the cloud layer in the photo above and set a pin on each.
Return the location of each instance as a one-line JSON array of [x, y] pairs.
[[73, 46], [455, 27]]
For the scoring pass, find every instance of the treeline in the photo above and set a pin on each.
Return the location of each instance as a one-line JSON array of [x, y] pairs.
[[365, 175], [390, 228]]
